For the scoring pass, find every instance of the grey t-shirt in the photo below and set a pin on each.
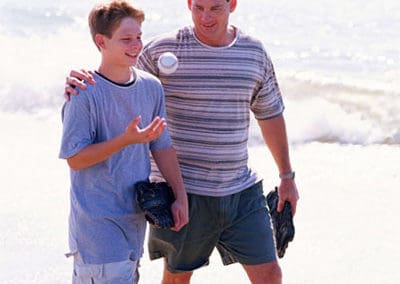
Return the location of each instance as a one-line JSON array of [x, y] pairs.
[[208, 100], [105, 222]]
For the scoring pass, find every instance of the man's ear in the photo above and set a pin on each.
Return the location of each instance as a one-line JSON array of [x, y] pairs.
[[99, 40], [189, 3], [233, 4]]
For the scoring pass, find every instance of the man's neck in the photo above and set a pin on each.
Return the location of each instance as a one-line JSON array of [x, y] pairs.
[[225, 40]]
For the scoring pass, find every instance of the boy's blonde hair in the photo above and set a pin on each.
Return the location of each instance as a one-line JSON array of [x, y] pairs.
[[105, 18]]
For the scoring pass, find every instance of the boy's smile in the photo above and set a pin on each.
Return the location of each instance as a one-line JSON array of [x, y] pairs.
[[120, 51], [125, 45]]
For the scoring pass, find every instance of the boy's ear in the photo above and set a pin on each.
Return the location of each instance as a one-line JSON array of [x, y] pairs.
[[99, 40]]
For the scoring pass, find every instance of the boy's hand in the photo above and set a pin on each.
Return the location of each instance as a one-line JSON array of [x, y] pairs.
[[180, 213], [133, 134], [77, 79]]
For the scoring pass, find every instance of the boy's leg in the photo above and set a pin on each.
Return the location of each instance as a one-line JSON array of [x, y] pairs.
[[124, 272]]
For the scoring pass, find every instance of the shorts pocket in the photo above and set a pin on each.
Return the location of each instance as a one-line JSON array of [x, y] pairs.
[[124, 272], [87, 271]]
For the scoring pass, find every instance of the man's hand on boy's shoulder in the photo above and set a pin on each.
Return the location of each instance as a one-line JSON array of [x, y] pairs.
[[76, 80]]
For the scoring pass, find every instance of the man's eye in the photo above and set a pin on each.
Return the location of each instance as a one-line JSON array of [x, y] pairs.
[[216, 10]]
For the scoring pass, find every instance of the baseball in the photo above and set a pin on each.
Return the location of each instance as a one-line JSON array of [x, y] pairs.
[[167, 63]]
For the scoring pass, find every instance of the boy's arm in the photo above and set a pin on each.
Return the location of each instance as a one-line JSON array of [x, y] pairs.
[[96, 153], [167, 163]]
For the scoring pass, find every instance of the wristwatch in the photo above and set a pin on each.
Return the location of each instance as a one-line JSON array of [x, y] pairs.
[[287, 175]]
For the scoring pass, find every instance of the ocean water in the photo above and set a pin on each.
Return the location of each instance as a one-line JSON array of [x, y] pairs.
[[338, 64]]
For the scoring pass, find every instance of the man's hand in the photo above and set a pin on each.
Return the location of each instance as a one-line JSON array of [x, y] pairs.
[[76, 80], [282, 222], [133, 134], [287, 191]]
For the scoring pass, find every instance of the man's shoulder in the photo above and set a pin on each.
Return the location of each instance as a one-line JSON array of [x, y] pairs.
[[250, 39], [172, 37], [253, 45]]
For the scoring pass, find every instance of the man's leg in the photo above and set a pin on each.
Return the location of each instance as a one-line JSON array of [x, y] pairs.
[[266, 273], [249, 238], [190, 248], [175, 278]]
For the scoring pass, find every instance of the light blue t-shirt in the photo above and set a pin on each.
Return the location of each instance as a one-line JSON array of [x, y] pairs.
[[105, 223]]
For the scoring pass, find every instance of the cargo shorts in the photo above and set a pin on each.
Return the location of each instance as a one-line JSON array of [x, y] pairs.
[[124, 272]]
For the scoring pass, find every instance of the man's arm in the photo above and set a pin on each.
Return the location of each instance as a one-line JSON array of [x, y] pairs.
[[96, 153], [167, 163], [274, 134]]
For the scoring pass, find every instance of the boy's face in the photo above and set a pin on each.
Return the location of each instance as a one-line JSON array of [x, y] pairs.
[[125, 44]]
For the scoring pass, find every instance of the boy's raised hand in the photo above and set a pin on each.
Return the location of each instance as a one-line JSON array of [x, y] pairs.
[[76, 80], [134, 134]]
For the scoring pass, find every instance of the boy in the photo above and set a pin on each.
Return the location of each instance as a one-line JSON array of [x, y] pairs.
[[107, 133]]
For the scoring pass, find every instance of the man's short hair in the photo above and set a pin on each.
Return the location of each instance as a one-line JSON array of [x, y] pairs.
[[105, 18]]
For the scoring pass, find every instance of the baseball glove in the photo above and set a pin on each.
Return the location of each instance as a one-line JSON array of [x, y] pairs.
[[155, 200], [282, 222]]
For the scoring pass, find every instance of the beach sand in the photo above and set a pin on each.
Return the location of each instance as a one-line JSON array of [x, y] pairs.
[[346, 227]]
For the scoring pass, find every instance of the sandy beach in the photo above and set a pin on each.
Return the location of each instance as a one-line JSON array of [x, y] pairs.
[[338, 67], [346, 230]]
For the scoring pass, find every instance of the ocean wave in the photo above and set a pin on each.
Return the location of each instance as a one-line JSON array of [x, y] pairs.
[[23, 19], [338, 113], [314, 111], [333, 93]]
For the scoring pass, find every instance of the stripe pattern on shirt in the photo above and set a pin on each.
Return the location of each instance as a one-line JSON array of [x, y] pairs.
[[209, 99]]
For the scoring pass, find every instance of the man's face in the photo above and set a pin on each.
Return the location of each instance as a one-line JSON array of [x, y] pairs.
[[211, 19]]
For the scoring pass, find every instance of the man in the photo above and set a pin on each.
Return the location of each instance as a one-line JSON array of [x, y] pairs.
[[222, 75]]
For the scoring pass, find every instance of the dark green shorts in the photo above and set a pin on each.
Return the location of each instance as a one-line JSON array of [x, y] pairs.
[[238, 225]]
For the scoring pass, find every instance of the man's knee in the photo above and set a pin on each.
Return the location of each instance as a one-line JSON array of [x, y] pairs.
[[264, 273], [275, 273], [176, 278]]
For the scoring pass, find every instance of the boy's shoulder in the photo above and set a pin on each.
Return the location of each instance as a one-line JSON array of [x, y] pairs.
[[147, 77], [92, 90]]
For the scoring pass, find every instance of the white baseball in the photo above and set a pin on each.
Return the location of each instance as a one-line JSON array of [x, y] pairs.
[[167, 63]]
